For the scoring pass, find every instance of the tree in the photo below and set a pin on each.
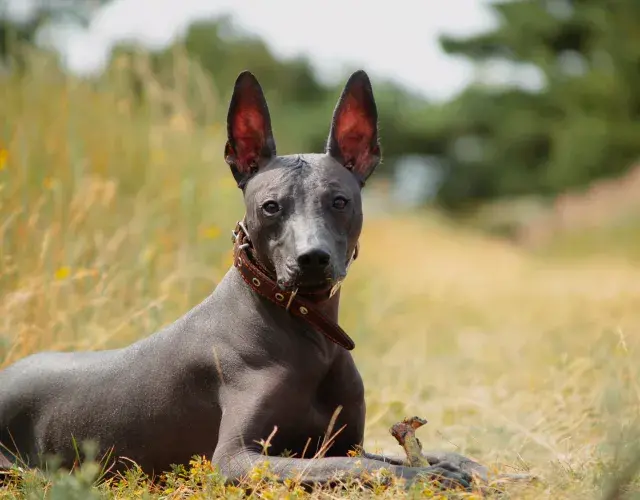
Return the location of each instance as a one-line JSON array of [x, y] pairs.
[[14, 33], [585, 122]]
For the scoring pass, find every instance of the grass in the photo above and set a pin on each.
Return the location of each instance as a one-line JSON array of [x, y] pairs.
[[115, 217]]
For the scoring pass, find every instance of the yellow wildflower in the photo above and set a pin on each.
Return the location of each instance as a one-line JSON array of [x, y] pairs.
[[4, 158], [211, 232], [62, 273]]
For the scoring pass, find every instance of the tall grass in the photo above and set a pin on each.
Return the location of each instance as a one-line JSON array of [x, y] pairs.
[[115, 210]]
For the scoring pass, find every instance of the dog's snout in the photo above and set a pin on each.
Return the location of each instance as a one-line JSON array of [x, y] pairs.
[[314, 258]]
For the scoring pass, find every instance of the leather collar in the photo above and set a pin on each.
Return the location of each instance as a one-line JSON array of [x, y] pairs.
[[302, 305]]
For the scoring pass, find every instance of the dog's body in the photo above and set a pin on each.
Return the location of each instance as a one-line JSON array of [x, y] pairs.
[[170, 396], [223, 376]]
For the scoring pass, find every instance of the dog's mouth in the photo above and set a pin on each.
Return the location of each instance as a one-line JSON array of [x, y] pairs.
[[308, 283]]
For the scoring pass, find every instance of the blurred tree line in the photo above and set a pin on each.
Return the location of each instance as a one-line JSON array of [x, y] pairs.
[[14, 31], [493, 140], [582, 125]]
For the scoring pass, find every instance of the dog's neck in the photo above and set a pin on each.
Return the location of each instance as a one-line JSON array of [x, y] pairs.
[[319, 308], [330, 307]]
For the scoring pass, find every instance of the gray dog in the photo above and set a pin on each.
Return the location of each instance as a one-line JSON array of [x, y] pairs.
[[263, 350]]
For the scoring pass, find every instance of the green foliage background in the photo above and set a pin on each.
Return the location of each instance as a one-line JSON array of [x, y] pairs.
[[494, 141]]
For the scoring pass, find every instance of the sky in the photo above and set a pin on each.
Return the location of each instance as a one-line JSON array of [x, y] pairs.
[[395, 40]]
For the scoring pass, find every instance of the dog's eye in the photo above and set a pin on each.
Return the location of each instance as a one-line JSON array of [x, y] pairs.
[[340, 202], [271, 207]]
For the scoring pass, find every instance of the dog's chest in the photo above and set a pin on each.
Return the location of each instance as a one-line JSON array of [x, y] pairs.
[[305, 433], [311, 410]]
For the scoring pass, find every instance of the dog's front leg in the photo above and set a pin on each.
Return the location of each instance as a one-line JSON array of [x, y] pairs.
[[237, 455], [331, 470]]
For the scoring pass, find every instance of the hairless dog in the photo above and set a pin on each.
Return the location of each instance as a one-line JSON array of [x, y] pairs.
[[263, 351]]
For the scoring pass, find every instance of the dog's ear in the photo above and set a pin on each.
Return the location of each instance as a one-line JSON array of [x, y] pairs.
[[250, 143], [353, 139]]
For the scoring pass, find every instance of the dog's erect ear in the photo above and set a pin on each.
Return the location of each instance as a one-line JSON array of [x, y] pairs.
[[250, 143], [353, 139]]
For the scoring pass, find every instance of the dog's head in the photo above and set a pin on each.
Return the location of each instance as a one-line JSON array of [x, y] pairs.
[[304, 212]]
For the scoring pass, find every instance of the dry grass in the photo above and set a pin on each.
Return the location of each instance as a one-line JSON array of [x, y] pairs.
[[115, 221]]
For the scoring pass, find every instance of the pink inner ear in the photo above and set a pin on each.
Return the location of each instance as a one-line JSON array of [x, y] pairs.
[[354, 134], [249, 137]]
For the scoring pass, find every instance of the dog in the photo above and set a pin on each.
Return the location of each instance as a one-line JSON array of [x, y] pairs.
[[263, 351]]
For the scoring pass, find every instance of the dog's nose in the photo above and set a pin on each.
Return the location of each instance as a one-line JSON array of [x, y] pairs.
[[314, 258]]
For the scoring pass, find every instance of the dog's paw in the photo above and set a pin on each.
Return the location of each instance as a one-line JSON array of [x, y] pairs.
[[445, 475], [463, 463]]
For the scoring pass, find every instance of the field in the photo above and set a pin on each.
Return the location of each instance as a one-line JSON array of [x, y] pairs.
[[115, 220]]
